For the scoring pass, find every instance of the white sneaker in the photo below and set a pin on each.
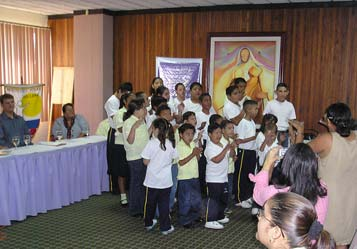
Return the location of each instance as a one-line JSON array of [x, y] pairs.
[[250, 200], [244, 204], [224, 220], [255, 211], [213, 225], [149, 228], [168, 231]]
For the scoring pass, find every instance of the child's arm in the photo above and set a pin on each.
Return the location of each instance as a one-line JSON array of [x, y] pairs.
[[131, 136], [236, 120], [246, 140], [220, 156], [146, 161], [195, 153]]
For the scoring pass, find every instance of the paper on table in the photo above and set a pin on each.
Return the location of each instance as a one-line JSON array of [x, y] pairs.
[[56, 143]]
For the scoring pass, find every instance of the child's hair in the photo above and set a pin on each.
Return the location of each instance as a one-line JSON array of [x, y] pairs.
[[212, 127], [134, 105], [140, 94], [165, 131], [124, 99], [226, 122], [125, 87], [297, 218], [237, 81], [195, 84], [187, 115], [340, 115], [156, 101], [249, 102], [186, 127], [213, 119], [271, 118], [271, 127], [160, 90], [281, 84], [179, 84], [230, 89], [152, 90], [162, 108], [204, 95]]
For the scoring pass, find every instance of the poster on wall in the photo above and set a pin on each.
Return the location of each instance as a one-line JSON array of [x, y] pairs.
[[256, 57], [179, 70]]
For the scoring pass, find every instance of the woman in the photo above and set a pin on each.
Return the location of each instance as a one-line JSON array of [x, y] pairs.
[[337, 150], [290, 221], [298, 174]]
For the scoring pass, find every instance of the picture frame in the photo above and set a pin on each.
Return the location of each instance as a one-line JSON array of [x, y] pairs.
[[256, 57]]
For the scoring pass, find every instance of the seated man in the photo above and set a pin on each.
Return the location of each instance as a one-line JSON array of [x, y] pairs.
[[12, 126], [70, 125]]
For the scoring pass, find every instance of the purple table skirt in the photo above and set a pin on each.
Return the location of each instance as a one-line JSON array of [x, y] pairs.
[[35, 183]]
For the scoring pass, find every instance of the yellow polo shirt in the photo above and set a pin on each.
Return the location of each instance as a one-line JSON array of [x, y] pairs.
[[230, 159], [118, 123], [190, 169], [133, 151]]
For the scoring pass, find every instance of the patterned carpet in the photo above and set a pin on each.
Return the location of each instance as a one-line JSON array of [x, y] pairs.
[[100, 222]]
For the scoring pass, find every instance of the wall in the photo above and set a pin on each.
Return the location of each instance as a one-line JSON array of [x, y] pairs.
[[320, 63]]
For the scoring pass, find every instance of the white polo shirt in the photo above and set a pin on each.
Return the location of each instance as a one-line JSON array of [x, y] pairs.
[[283, 111], [262, 154], [111, 106], [231, 110], [158, 173], [246, 129], [216, 172], [203, 117], [190, 106]]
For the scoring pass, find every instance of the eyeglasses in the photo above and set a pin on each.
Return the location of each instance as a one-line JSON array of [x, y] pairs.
[[261, 215]]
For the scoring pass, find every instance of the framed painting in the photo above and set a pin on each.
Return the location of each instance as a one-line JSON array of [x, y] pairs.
[[256, 57]]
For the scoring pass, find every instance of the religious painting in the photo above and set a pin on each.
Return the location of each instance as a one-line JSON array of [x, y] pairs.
[[256, 57]]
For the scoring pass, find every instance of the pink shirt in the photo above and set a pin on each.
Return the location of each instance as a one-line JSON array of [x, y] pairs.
[[263, 191]]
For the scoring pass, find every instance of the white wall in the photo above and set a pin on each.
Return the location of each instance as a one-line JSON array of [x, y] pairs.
[[23, 17]]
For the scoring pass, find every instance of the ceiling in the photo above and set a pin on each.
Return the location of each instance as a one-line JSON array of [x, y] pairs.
[[56, 7]]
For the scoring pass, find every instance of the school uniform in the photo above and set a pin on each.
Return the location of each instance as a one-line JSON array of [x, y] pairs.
[[230, 170], [135, 162], [189, 193], [190, 106], [246, 162], [216, 178], [262, 154], [111, 107], [158, 182]]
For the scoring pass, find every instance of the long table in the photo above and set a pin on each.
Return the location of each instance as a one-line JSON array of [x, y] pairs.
[[43, 177]]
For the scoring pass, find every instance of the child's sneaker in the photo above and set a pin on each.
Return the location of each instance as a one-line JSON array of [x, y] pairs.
[[168, 231], [227, 211], [244, 204], [213, 225], [254, 211], [224, 220], [149, 228]]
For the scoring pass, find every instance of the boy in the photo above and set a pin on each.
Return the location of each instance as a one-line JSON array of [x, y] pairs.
[[216, 177], [269, 142], [283, 110], [193, 104], [189, 194], [232, 110], [246, 162], [241, 84], [156, 101]]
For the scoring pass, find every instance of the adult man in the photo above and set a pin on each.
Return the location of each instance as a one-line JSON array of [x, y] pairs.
[[11, 124]]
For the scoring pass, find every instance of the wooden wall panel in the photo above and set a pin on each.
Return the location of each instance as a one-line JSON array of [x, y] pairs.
[[320, 63]]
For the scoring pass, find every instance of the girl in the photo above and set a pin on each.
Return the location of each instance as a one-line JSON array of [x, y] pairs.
[[158, 155], [135, 136], [155, 84], [164, 92]]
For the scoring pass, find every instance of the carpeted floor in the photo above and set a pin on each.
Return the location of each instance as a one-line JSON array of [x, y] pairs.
[[100, 222]]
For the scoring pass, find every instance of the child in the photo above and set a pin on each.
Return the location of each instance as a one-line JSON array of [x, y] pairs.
[[135, 137], [189, 195], [283, 110], [216, 177], [232, 110], [155, 84], [215, 119], [156, 101], [241, 84], [228, 137], [246, 162], [270, 141], [158, 155], [190, 118], [119, 156], [193, 104]]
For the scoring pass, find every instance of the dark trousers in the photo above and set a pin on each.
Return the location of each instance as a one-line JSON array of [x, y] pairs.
[[202, 163], [245, 165], [113, 179], [217, 201], [189, 201], [157, 198], [136, 189], [230, 189]]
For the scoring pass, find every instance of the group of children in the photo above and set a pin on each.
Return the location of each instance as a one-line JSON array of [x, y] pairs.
[[182, 148]]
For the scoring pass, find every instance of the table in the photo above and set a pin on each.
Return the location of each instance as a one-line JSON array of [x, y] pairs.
[[40, 177]]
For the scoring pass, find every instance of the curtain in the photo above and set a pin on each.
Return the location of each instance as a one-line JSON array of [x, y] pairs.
[[26, 57]]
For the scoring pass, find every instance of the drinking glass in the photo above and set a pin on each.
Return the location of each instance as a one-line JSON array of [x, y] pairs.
[[86, 132], [27, 139], [59, 135], [15, 141]]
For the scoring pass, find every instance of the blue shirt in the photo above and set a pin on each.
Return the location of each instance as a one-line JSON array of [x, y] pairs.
[[10, 127], [78, 127]]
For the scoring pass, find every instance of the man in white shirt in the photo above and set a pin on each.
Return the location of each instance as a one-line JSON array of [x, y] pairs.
[[111, 106]]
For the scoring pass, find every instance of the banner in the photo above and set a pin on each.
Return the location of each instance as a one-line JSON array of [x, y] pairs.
[[179, 70], [28, 103]]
